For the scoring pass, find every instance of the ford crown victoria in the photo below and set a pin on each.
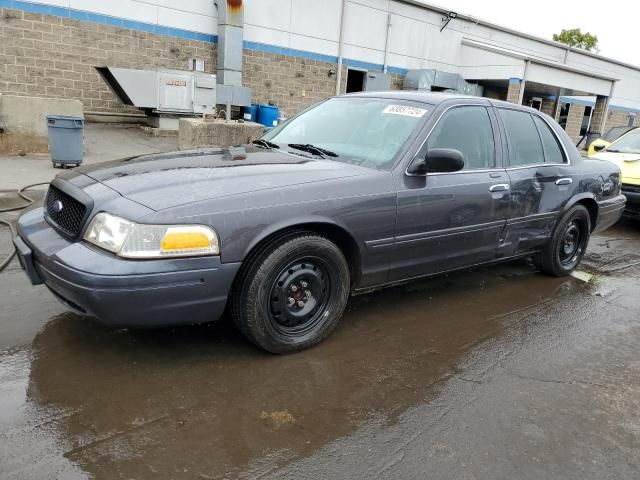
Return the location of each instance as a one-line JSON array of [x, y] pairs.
[[356, 193]]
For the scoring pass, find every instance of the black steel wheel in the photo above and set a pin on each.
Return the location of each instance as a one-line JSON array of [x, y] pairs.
[[568, 244], [299, 296], [292, 293]]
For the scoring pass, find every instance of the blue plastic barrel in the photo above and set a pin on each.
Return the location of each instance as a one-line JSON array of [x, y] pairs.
[[66, 139], [250, 114], [268, 115]]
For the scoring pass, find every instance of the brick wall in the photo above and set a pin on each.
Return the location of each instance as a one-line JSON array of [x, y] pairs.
[[617, 118], [289, 82], [48, 56], [513, 93], [574, 121], [548, 106], [597, 116]]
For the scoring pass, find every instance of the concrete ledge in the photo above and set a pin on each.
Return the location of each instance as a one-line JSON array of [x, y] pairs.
[[158, 132], [120, 118], [196, 132], [23, 120]]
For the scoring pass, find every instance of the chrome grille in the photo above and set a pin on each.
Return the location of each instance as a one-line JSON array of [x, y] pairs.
[[64, 212]]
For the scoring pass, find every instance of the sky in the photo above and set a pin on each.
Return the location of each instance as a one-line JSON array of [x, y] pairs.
[[615, 22]]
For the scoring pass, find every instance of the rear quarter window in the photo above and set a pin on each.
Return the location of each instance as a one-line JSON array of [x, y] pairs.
[[523, 139], [552, 151]]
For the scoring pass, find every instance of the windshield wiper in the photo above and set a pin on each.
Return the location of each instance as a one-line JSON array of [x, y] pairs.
[[265, 143], [307, 147]]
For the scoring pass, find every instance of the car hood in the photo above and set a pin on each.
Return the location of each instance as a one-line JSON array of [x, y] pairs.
[[629, 164], [172, 179]]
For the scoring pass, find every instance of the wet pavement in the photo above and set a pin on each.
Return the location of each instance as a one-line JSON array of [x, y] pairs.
[[496, 373]]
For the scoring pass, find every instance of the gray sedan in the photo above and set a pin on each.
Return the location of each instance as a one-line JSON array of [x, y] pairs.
[[354, 194]]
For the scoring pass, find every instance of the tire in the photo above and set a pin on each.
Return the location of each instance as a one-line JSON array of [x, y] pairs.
[[564, 252], [304, 268]]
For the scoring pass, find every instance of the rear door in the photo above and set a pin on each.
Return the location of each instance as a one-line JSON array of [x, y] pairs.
[[451, 220], [540, 176]]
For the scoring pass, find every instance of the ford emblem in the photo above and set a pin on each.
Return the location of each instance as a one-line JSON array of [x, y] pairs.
[[58, 206]]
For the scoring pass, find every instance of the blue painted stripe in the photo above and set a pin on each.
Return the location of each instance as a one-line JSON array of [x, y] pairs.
[[515, 81], [187, 34], [624, 109], [292, 52], [588, 103], [578, 101], [398, 70], [107, 20]]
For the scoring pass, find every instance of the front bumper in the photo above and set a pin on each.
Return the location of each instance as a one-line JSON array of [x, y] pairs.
[[120, 292], [632, 192]]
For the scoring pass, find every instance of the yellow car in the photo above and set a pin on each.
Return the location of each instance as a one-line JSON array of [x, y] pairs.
[[603, 142], [625, 152]]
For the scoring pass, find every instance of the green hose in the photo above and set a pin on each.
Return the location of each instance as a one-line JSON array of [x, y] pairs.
[[29, 201]]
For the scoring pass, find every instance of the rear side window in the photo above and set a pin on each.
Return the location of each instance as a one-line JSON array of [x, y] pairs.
[[467, 129], [552, 152], [525, 146]]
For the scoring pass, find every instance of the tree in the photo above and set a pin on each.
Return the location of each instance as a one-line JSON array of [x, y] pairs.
[[575, 38]]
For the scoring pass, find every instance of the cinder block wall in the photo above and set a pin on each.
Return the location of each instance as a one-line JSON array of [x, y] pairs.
[[617, 118], [290, 83], [574, 121], [49, 56]]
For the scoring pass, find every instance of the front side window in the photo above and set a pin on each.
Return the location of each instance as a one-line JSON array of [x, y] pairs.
[[467, 129], [525, 146], [366, 131], [552, 151]]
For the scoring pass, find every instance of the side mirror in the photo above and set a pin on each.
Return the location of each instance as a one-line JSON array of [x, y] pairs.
[[438, 160], [598, 148]]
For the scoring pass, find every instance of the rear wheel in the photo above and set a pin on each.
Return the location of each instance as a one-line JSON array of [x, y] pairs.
[[292, 293], [568, 244]]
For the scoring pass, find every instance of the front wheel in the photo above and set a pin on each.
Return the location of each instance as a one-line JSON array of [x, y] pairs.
[[568, 244], [292, 294]]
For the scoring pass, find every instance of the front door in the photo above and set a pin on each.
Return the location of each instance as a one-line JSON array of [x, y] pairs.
[[539, 176], [451, 220]]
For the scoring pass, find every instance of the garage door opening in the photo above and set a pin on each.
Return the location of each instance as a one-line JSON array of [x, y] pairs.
[[355, 80]]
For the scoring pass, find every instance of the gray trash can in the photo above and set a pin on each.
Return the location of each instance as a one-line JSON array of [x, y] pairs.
[[66, 140]]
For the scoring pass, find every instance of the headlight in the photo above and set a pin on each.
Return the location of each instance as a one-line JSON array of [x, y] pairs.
[[133, 240]]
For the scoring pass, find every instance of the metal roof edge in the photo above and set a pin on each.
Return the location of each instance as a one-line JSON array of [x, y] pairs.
[[470, 18], [532, 59]]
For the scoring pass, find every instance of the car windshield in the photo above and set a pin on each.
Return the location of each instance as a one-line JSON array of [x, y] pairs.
[[630, 143], [615, 132], [361, 130]]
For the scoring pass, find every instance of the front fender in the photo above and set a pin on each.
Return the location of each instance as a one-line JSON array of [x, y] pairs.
[[303, 221]]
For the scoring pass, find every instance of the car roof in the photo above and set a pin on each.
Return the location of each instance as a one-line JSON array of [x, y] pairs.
[[412, 95], [435, 98]]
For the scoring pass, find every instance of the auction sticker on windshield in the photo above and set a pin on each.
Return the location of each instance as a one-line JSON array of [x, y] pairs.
[[404, 110]]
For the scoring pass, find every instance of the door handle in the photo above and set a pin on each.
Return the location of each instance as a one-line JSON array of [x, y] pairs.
[[564, 181], [500, 187]]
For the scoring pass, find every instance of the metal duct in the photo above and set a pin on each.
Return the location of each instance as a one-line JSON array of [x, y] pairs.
[[230, 41], [437, 80]]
